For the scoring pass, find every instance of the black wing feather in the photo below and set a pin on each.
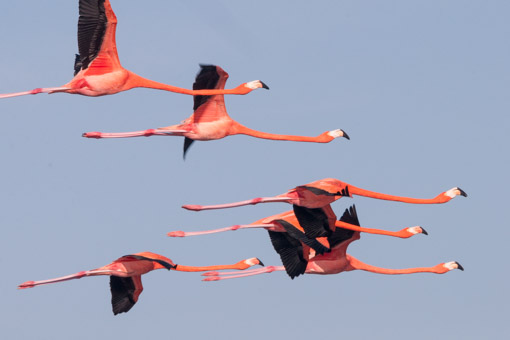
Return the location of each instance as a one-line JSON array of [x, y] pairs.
[[206, 79], [290, 251], [91, 30], [122, 289], [344, 192], [314, 221], [298, 235], [340, 234], [187, 144], [161, 262]]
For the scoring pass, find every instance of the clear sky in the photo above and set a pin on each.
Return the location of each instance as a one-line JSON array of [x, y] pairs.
[[420, 86]]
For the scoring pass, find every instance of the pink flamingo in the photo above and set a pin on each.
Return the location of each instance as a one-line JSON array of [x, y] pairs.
[[314, 234], [97, 69], [125, 275], [320, 193], [210, 120], [298, 258]]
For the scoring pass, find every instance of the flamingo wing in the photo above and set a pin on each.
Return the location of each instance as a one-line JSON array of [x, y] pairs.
[[318, 191], [209, 108], [96, 38], [291, 253], [340, 234], [296, 233], [166, 264], [125, 292], [313, 220]]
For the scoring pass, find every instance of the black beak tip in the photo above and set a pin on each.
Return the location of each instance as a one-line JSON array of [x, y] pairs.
[[260, 262], [459, 266], [462, 192], [424, 232], [346, 135], [264, 86]]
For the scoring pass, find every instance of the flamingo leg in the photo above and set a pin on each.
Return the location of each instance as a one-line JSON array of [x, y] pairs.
[[441, 198], [142, 133], [79, 275], [35, 91], [181, 233], [438, 269], [404, 233], [220, 276], [254, 201]]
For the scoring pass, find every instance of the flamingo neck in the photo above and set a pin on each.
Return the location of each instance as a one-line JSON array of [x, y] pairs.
[[441, 198], [357, 264], [243, 130]]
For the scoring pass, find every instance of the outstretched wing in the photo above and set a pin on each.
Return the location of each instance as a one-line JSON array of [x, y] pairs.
[[209, 108], [314, 221], [340, 234], [298, 234], [96, 37], [125, 292], [317, 191], [291, 253]]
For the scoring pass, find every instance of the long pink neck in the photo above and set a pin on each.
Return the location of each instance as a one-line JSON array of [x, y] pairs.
[[349, 226], [441, 198], [239, 266], [357, 264], [135, 80], [243, 130]]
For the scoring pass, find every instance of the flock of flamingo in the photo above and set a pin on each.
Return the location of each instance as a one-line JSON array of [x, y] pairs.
[[309, 239]]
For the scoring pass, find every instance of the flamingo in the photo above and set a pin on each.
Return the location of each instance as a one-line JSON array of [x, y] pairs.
[[125, 275], [97, 69], [298, 258], [314, 235], [320, 193], [210, 120]]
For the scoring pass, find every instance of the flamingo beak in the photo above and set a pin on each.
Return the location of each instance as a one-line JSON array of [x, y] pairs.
[[264, 86], [462, 192], [459, 266], [424, 232]]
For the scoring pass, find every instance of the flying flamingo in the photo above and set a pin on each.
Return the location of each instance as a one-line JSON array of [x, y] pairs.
[[314, 237], [298, 258], [210, 120], [125, 275], [97, 69], [320, 193]]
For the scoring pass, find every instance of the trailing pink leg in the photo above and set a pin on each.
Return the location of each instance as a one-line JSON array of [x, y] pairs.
[[254, 201], [181, 233], [268, 269], [35, 91], [142, 133], [79, 275]]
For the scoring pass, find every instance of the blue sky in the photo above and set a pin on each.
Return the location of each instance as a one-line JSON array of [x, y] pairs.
[[421, 88]]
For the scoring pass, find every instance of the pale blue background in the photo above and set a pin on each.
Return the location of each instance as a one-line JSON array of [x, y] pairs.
[[420, 86]]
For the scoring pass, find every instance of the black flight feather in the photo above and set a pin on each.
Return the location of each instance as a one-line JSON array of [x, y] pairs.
[[91, 29], [206, 79], [340, 234], [290, 251], [123, 289], [161, 262], [187, 144], [314, 221], [298, 235]]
